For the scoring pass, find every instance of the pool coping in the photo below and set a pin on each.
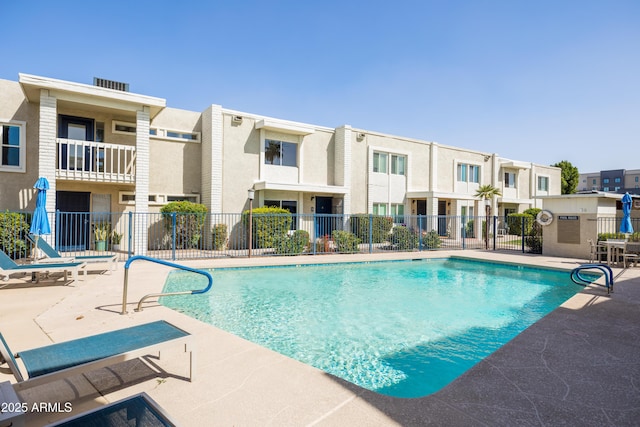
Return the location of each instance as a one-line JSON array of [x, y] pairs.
[[566, 368]]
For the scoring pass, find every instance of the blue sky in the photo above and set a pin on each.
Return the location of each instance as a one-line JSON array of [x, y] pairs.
[[540, 81]]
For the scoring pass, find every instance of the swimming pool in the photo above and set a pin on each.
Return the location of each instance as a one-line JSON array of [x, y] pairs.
[[400, 328]]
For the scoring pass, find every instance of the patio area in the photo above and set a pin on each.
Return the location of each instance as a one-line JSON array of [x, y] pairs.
[[579, 365]]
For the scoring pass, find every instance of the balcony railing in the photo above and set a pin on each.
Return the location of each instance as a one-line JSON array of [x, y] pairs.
[[95, 161]]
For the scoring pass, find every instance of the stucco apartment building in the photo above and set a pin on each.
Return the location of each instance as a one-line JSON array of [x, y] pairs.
[[104, 149]]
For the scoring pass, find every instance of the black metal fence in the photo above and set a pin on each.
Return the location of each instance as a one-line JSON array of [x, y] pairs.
[[610, 228], [190, 236]]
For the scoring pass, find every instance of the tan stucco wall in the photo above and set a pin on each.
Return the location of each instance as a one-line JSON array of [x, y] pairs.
[[240, 165], [16, 192]]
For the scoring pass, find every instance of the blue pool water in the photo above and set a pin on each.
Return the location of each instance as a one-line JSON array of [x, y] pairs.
[[403, 329]]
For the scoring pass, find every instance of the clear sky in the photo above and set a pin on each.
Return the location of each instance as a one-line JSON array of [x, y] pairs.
[[541, 80]]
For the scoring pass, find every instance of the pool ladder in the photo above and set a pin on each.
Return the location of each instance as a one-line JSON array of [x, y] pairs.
[[582, 281], [168, 264]]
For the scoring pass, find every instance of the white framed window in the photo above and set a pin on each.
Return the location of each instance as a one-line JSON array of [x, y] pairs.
[[398, 164], [125, 128], [379, 208], [468, 173], [543, 183], [12, 146], [280, 153], [129, 198], [380, 162], [174, 135], [397, 213], [510, 179]]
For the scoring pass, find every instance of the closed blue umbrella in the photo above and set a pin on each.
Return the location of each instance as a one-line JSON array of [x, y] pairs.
[[625, 225], [40, 222]]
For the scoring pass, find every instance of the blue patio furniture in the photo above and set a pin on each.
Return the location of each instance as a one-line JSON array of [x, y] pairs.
[[55, 256], [64, 359], [9, 266], [138, 410]]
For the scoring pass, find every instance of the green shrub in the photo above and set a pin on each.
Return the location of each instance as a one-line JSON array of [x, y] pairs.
[[534, 240], [190, 219], [431, 240], [468, 228], [515, 222], [635, 237], [13, 228], [381, 226], [219, 237], [533, 212], [268, 223], [294, 244], [404, 238], [345, 241]]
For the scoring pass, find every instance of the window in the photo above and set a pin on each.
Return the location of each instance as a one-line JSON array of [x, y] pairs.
[[616, 180], [174, 135], [12, 147], [616, 189], [510, 180], [397, 212], [605, 181], [605, 189], [280, 153], [594, 181], [187, 136], [123, 127], [193, 199], [543, 183], [290, 205], [379, 208], [129, 198], [380, 162], [636, 179], [468, 173], [398, 165]]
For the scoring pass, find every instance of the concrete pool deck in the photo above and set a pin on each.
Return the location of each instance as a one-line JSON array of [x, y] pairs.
[[579, 365]]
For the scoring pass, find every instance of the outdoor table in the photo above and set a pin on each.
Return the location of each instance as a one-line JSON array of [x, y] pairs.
[[613, 246]]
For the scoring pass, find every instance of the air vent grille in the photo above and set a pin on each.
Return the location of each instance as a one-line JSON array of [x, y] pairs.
[[110, 84]]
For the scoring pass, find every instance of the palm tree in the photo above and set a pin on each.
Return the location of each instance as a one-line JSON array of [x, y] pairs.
[[487, 192]]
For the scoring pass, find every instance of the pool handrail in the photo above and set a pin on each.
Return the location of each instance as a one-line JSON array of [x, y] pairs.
[[579, 280], [161, 294]]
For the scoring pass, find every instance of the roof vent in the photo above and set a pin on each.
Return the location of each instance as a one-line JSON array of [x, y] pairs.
[[110, 84]]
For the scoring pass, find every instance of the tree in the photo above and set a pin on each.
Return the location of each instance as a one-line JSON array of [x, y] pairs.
[[570, 177], [487, 192]]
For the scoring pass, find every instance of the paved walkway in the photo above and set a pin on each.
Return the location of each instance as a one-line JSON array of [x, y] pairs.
[[580, 365]]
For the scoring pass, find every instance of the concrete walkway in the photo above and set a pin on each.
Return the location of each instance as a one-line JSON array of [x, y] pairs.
[[580, 365]]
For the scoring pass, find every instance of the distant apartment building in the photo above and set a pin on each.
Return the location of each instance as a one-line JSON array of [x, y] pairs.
[[614, 181], [105, 149]]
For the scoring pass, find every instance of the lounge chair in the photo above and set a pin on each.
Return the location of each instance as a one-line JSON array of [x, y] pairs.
[[8, 267], [139, 410], [54, 256], [62, 360]]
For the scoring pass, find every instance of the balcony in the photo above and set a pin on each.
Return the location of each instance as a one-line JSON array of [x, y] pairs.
[[95, 161]]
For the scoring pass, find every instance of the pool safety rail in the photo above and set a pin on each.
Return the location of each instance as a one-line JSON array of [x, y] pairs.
[[583, 281], [157, 295]]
